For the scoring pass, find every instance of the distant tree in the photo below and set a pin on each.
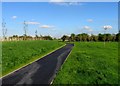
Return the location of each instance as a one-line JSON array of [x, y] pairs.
[[16, 37], [101, 37], [94, 38], [79, 37], [64, 37], [47, 38], [55, 38], [29, 37], [84, 36], [104, 37], [21, 37], [108, 37], [88, 38], [118, 37], [72, 37], [50, 38], [69, 39], [113, 37]]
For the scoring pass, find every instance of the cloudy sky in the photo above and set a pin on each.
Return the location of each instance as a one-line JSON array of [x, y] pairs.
[[56, 19]]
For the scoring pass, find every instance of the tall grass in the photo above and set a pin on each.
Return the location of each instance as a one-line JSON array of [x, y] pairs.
[[90, 63], [19, 53], [0, 58]]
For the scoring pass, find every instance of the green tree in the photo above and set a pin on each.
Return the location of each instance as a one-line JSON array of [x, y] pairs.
[[94, 38], [72, 37], [47, 38], [108, 37], [84, 36], [64, 37], [118, 37], [101, 37], [113, 37]]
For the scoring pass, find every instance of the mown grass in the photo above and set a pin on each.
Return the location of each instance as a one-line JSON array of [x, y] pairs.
[[90, 63], [0, 58], [19, 53]]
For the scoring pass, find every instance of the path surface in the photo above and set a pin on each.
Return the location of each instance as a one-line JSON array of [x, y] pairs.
[[41, 71]]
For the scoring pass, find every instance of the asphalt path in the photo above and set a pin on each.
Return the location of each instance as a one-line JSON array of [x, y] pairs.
[[42, 71]]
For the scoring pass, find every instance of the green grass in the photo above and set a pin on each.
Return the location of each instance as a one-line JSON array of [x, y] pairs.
[[19, 53], [0, 58], [90, 63]]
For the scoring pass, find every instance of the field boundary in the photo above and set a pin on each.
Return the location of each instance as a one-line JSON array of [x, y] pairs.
[[33, 61], [62, 65]]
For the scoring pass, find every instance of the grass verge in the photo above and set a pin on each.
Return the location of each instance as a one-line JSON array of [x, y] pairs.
[[16, 55], [90, 63]]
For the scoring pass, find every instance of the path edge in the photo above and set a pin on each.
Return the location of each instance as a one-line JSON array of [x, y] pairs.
[[61, 67], [33, 61]]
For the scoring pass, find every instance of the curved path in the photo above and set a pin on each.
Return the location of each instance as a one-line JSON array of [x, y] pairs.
[[41, 71]]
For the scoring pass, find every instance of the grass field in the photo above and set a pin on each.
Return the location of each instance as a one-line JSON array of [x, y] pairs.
[[19, 53], [0, 58], [90, 63]]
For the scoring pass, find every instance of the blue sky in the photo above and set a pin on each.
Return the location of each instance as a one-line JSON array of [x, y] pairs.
[[56, 19], [60, 0]]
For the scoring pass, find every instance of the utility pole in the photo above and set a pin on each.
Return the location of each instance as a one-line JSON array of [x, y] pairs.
[[25, 29], [4, 29], [36, 36], [36, 33]]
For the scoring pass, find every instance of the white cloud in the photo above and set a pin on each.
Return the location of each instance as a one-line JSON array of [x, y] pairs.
[[87, 28], [14, 17], [32, 23], [67, 3], [75, 3], [46, 26], [107, 27], [90, 20], [56, 0]]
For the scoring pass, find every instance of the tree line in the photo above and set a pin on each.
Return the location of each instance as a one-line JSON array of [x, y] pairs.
[[85, 37], [26, 37], [72, 38]]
